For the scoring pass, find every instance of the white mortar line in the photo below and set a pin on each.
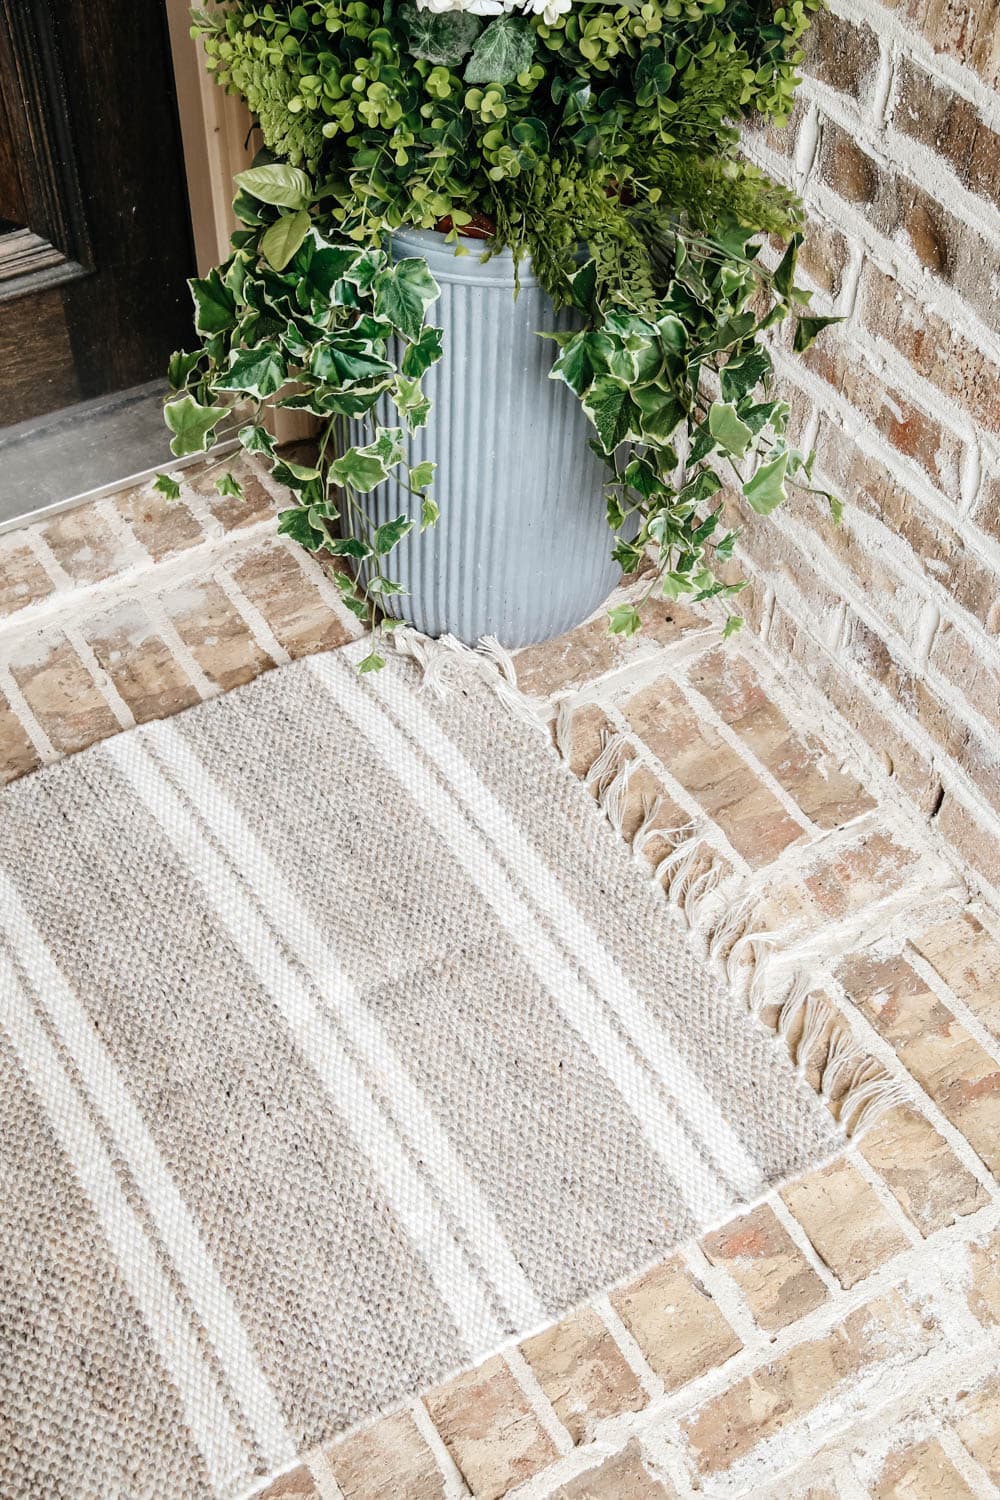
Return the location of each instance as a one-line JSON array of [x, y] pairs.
[[32, 538], [327, 590], [83, 600], [969, 1468], [802, 1242], [628, 1346], [726, 1293], [263, 635], [455, 1487], [704, 823], [883, 1051], [536, 1398], [165, 628], [26, 718], [884, 1194], [136, 552], [102, 680], [704, 709], [957, 1323], [960, 1009], [963, 80], [323, 1477]]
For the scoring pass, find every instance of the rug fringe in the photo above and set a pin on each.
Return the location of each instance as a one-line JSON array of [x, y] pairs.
[[781, 994]]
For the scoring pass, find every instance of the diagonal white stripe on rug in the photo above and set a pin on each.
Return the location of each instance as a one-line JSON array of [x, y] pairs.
[[340, 1043]]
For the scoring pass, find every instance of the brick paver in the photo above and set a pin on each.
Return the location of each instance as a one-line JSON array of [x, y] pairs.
[[758, 1362]]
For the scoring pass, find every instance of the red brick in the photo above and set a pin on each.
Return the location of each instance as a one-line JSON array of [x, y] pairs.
[[583, 1372], [938, 550], [777, 1281], [216, 634], [84, 545], [935, 349], [624, 1476], [23, 580], [840, 53], [385, 1460], [961, 1078], [62, 694], [798, 760], [490, 1430], [141, 665], [231, 511], [293, 607], [728, 789], [866, 871], [970, 833], [163, 527], [972, 666], [847, 1225], [676, 1324], [17, 754], [929, 112], [910, 430]]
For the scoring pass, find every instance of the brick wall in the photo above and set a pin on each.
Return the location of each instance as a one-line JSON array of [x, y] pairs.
[[895, 615]]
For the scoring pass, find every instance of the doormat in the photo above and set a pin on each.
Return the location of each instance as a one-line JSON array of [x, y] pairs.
[[342, 1043]]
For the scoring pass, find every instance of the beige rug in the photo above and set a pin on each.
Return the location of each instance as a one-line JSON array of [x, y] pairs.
[[340, 1042]]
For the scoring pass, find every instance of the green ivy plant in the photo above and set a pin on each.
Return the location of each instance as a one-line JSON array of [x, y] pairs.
[[611, 131]]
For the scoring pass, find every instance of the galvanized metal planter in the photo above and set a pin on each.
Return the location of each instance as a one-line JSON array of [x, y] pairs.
[[522, 549]]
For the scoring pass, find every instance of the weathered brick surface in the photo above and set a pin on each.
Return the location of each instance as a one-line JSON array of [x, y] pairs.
[[676, 1324], [967, 957], [849, 1228], [62, 694], [216, 634], [923, 1472], [961, 1078], [23, 580], [17, 754], [163, 527], [143, 668], [728, 1426], [977, 1422], [841, 53], [83, 544], [624, 1476], [750, 815], [386, 1460], [490, 1430], [299, 616], [583, 1372], [921, 1170], [774, 1276], [933, 114]]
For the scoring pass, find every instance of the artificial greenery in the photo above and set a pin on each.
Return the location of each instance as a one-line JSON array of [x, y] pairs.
[[602, 143]]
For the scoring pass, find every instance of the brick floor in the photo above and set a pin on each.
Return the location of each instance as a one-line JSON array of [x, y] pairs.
[[839, 1339]]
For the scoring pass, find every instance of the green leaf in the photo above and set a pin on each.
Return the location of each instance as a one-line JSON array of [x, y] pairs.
[[766, 489], [609, 406], [624, 619], [503, 49], [278, 184], [583, 286], [257, 439], [258, 372], [284, 237], [392, 532], [192, 424], [180, 368], [214, 304], [295, 523], [443, 38], [429, 514], [724, 547], [836, 509], [807, 329], [371, 663], [337, 363], [294, 476], [418, 357], [732, 625], [359, 469], [411, 402], [350, 546], [422, 474], [228, 484], [582, 360], [403, 293], [727, 429], [741, 375], [627, 556], [784, 276], [659, 414], [167, 486]]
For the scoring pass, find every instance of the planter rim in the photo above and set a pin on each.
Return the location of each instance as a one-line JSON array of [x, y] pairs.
[[445, 265]]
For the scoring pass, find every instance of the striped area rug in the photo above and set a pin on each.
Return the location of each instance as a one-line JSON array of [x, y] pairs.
[[340, 1042]]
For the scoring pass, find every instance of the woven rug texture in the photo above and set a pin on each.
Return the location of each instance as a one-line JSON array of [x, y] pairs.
[[340, 1042]]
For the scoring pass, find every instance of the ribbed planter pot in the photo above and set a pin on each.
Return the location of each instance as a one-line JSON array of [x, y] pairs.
[[522, 549]]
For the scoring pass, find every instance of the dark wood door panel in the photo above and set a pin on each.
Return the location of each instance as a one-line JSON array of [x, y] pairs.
[[92, 179]]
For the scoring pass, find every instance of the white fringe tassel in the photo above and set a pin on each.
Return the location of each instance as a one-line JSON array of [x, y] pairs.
[[755, 961]]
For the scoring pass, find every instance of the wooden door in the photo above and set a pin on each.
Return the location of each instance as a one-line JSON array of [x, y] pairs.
[[95, 235]]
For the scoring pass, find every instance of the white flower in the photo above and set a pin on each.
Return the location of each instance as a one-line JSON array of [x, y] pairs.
[[547, 9]]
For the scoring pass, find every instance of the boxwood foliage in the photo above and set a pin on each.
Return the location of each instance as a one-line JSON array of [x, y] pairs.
[[604, 147]]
